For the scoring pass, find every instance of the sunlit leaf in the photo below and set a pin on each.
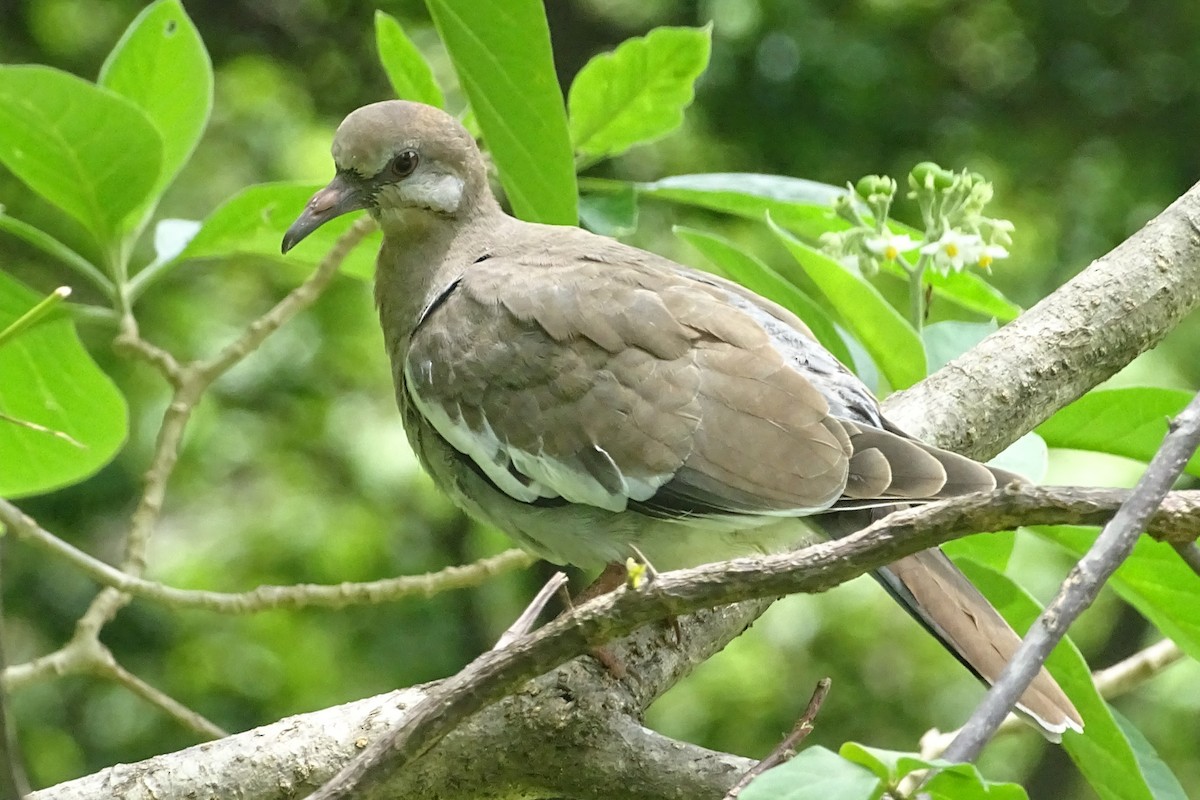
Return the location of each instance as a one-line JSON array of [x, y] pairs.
[[407, 70], [1128, 421], [87, 150], [801, 206], [515, 95], [161, 65], [893, 344], [50, 380], [1154, 580], [638, 92]]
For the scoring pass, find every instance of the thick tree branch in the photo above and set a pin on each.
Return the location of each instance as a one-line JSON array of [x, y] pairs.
[[813, 569]]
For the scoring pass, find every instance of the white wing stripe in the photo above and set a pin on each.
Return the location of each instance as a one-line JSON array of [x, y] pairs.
[[546, 476]]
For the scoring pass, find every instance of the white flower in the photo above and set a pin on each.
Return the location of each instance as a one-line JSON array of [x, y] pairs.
[[954, 250], [990, 253], [890, 246]]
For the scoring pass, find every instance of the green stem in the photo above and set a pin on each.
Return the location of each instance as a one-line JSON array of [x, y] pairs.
[[34, 315], [53, 247], [916, 293]]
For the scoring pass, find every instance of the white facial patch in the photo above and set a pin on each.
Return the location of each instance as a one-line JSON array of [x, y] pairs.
[[439, 191]]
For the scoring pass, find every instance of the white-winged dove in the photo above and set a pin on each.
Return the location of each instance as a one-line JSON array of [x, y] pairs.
[[588, 397]]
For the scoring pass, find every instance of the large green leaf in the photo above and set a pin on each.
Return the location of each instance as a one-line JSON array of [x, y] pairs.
[[1128, 422], [638, 92], [891, 341], [803, 207], [48, 379], [160, 64], [252, 222], [1102, 753], [87, 150], [1154, 580], [407, 70], [758, 277], [501, 51], [815, 774]]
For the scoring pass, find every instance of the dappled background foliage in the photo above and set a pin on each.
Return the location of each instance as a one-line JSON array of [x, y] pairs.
[[296, 469]]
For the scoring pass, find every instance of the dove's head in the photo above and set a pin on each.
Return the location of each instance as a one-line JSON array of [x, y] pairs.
[[397, 159]]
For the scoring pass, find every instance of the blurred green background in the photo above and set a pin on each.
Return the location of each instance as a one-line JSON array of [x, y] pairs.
[[1085, 115]]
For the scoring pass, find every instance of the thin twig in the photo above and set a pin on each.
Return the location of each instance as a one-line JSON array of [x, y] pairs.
[[180, 713], [265, 598], [524, 623], [787, 748], [1079, 590]]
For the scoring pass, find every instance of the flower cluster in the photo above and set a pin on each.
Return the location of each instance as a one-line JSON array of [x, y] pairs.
[[957, 234]]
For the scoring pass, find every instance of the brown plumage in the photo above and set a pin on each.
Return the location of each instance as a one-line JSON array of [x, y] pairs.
[[588, 397]]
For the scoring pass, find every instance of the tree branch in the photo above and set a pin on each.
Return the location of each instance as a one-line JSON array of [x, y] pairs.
[[813, 569], [263, 598]]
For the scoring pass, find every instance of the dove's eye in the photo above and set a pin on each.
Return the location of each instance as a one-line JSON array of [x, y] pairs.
[[403, 164]]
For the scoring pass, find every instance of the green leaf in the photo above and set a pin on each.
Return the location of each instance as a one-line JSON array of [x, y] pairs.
[[893, 344], [758, 277], [1154, 580], [501, 52], [1130, 422], [407, 70], [990, 549], [803, 207], [611, 213], [51, 381], [1163, 783], [87, 150], [160, 64], [638, 92], [1101, 752], [814, 774], [252, 223], [964, 782], [952, 782], [889, 765]]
